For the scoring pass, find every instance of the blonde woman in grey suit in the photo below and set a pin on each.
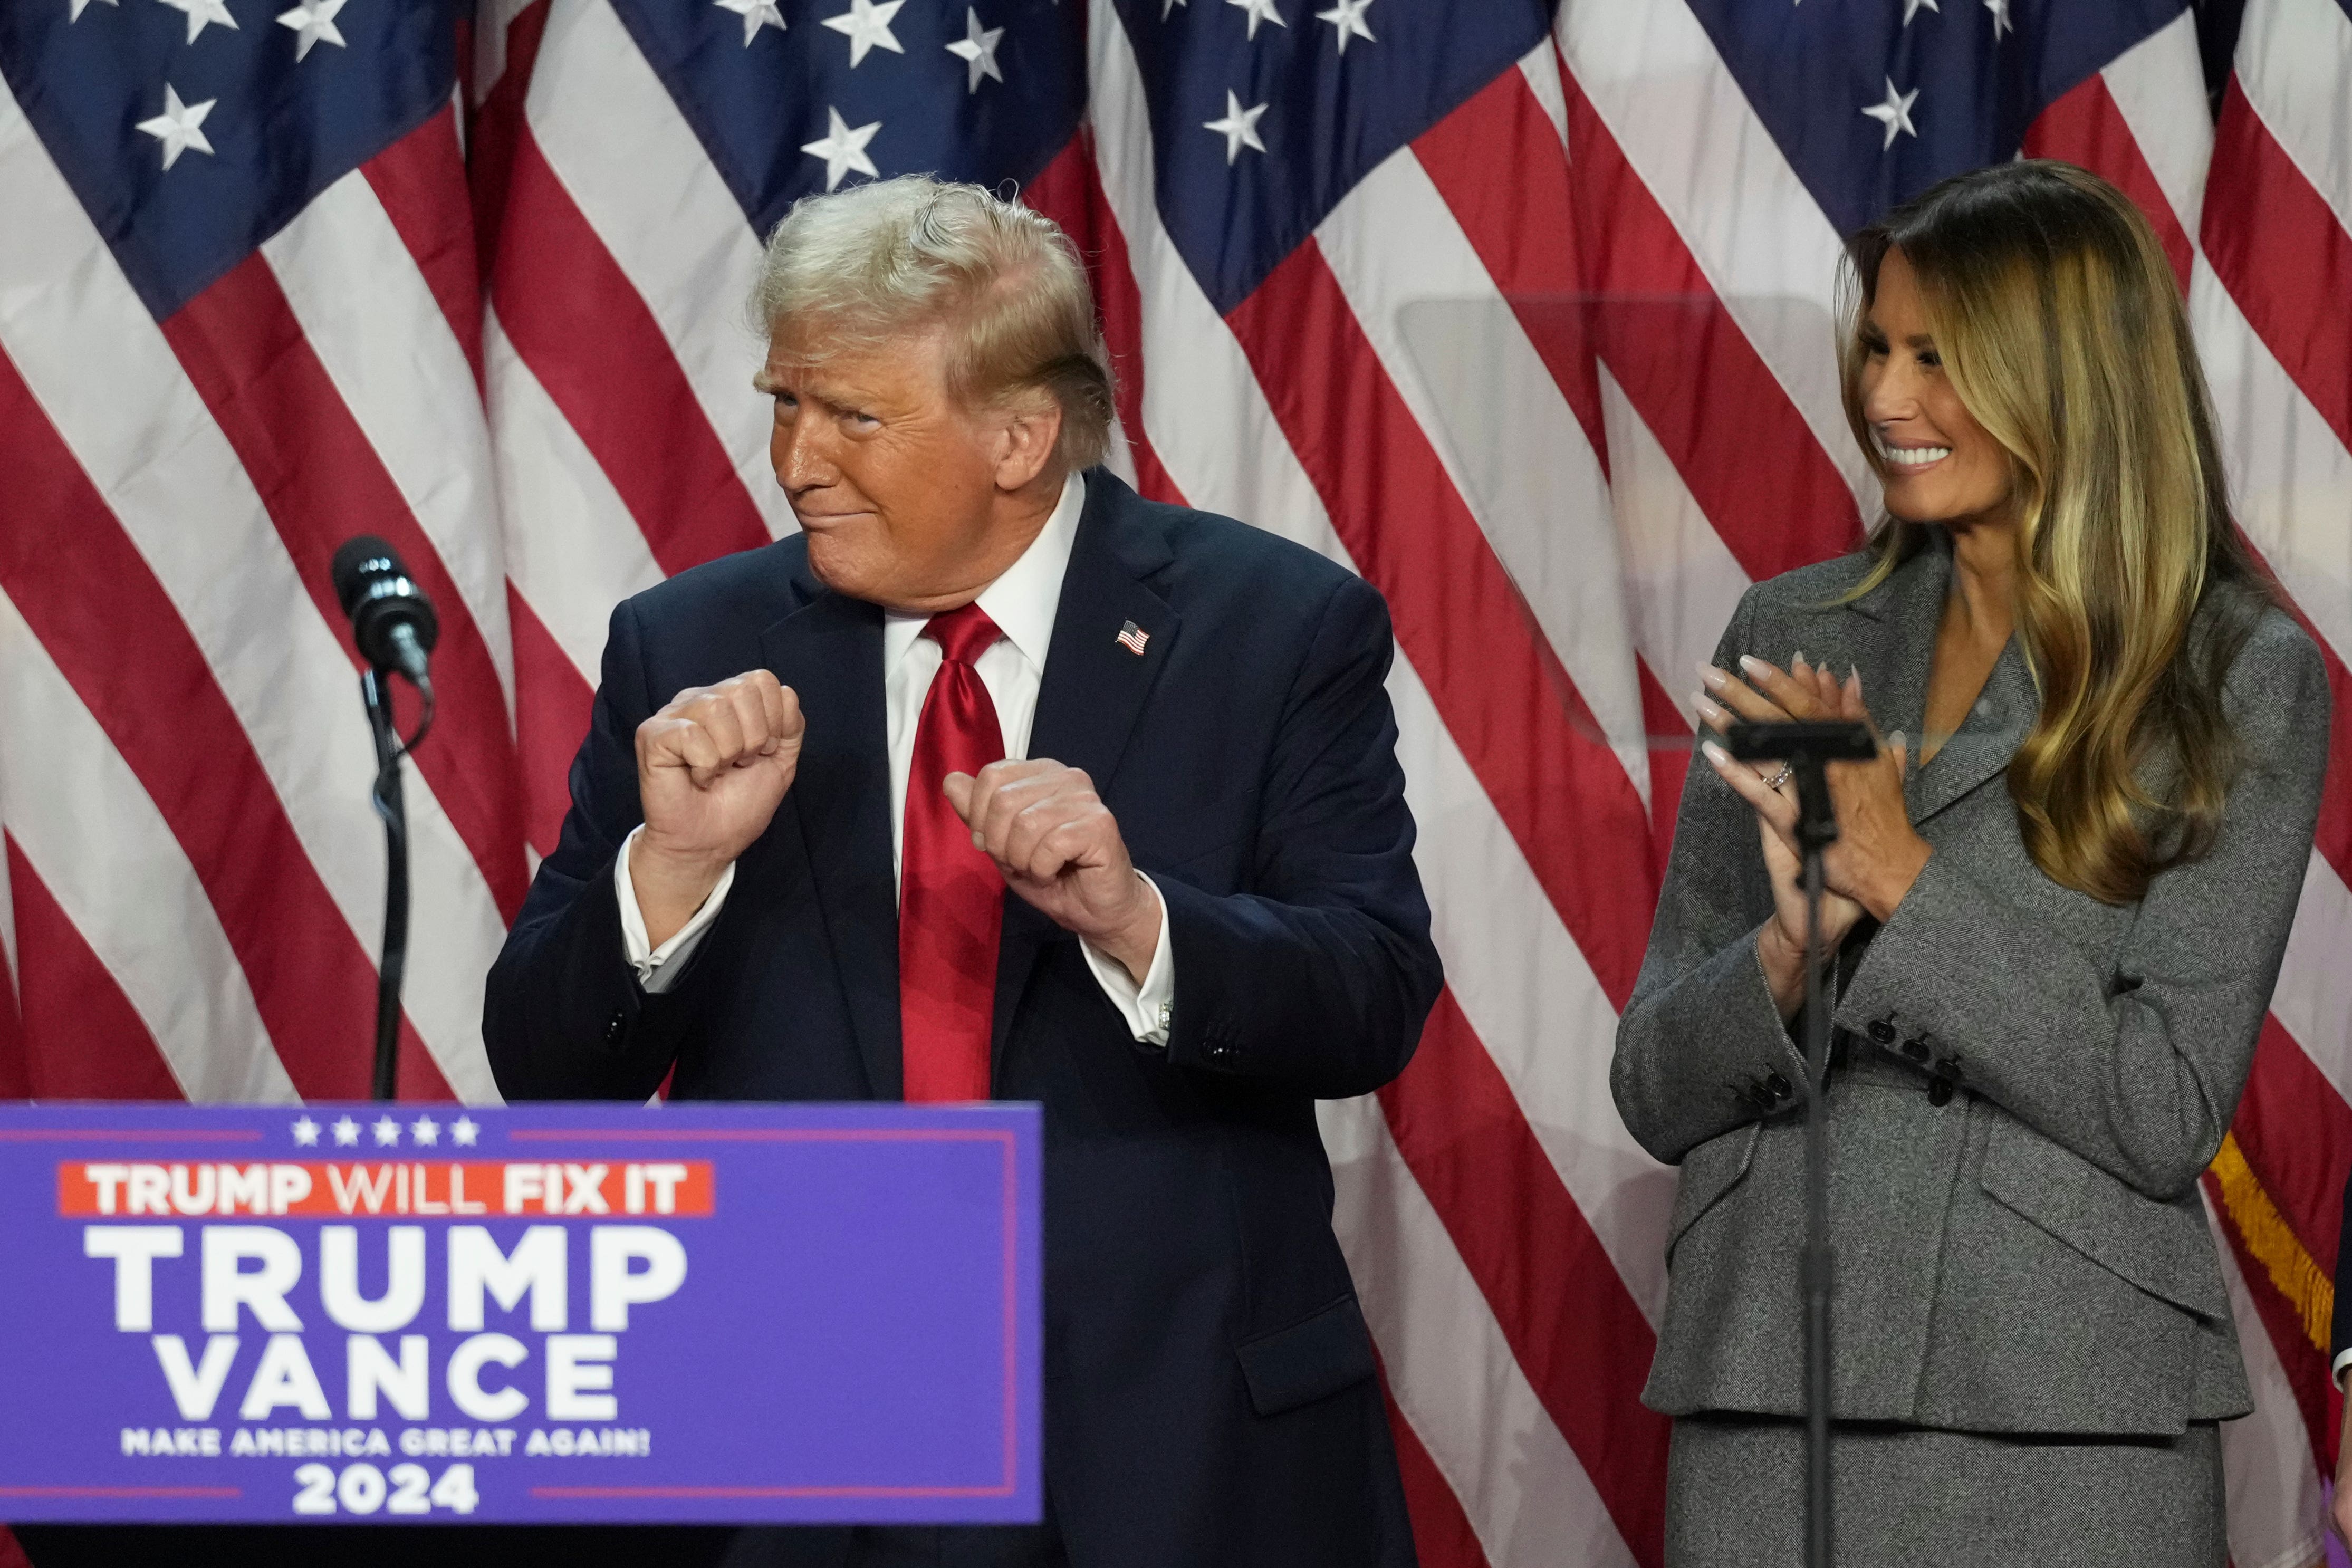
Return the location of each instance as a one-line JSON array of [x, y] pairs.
[[2057, 910]]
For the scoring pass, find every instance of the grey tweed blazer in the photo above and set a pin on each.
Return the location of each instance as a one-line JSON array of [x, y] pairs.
[[2028, 1082]]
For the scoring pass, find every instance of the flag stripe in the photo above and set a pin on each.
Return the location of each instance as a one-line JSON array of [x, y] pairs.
[[310, 979], [421, 180], [87, 1041], [1441, 1535], [616, 383], [553, 701], [321, 481], [2085, 127]]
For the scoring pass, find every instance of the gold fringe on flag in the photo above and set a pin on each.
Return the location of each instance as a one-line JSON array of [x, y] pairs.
[[2272, 1241]]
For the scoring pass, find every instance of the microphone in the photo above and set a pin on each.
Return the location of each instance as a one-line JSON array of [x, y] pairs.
[[393, 623]]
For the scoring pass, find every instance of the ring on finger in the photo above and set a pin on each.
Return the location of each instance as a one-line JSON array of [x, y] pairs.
[[1778, 779]]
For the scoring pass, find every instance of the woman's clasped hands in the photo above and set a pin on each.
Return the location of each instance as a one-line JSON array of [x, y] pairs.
[[1877, 854]]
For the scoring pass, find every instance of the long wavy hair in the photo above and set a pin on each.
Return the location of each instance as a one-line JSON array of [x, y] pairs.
[[2060, 326]]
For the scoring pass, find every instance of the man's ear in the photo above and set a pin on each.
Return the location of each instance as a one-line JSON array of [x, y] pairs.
[[1032, 428]]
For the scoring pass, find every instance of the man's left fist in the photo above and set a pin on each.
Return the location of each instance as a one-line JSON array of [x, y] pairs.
[[1059, 847]]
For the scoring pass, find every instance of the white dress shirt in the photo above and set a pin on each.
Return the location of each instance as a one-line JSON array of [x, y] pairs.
[[1022, 603]]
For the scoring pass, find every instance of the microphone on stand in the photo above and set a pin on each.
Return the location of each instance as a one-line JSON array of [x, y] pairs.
[[394, 628]]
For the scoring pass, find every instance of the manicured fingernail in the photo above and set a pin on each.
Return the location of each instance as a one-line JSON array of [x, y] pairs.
[[1752, 665], [1712, 678], [1715, 754], [1708, 711], [1796, 658], [978, 842], [1897, 740]]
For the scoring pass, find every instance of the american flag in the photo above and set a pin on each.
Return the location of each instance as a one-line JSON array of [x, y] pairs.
[[1521, 309]]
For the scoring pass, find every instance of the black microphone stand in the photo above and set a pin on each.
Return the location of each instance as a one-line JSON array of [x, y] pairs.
[[376, 691], [1808, 748]]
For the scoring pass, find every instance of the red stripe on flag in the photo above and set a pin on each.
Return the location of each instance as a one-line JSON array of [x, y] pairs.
[[2295, 1131], [11, 1555], [496, 125], [1501, 690], [79, 581], [243, 348], [1070, 193], [1441, 1536], [1522, 228], [581, 326], [2085, 127], [421, 180], [1575, 1332], [83, 1038], [553, 704], [2283, 258], [1662, 720], [1744, 453], [2304, 1363]]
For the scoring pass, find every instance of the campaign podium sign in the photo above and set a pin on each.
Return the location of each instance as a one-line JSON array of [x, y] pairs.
[[387, 1313]]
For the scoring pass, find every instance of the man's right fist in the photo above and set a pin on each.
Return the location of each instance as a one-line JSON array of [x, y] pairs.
[[711, 768]]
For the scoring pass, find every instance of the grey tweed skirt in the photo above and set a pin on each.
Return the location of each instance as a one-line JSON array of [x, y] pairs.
[[1924, 1499]]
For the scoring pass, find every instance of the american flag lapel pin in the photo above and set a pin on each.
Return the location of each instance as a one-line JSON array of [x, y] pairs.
[[1132, 638]]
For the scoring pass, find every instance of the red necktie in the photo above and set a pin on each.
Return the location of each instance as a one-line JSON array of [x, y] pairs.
[[950, 895]]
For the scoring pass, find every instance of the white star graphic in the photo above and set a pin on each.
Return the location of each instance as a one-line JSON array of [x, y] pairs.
[[2001, 22], [1348, 17], [200, 11], [1259, 11], [756, 14], [177, 127], [346, 1132], [844, 149], [1894, 114], [1913, 8], [1239, 128], [867, 27], [977, 49], [465, 1130], [78, 7], [306, 1133], [387, 1130], [426, 1131], [314, 20]]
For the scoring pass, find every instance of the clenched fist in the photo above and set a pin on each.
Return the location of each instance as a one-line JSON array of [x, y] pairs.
[[1059, 847], [711, 768]]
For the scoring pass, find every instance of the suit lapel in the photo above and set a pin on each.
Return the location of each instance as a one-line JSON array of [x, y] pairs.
[[830, 652], [1095, 685], [1981, 747]]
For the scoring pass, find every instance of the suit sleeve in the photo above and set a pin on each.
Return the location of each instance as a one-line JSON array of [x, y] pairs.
[[1322, 976], [1701, 1049], [2135, 1063], [563, 1017]]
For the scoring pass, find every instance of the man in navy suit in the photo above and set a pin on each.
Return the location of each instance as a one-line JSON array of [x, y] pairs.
[[816, 771]]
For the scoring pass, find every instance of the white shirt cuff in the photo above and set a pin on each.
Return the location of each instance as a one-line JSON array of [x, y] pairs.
[[659, 967], [1147, 1007], [2343, 1360]]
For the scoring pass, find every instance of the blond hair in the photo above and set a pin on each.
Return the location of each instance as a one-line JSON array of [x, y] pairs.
[[2061, 328], [877, 261]]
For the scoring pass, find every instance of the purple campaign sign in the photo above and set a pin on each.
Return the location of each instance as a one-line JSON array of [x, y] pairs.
[[790, 1313]]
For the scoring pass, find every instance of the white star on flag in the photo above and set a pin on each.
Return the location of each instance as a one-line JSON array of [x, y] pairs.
[[465, 1130], [387, 1130], [78, 7], [1348, 17], [1259, 11], [346, 1132], [306, 1133], [1913, 8], [1239, 128], [425, 1130], [176, 127], [314, 20], [756, 14], [2001, 22], [867, 26], [844, 149], [200, 11], [977, 49], [1894, 114]]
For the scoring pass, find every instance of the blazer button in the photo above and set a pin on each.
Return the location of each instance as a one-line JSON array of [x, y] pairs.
[[1221, 1052], [1779, 1087], [1939, 1093], [1917, 1050], [1882, 1032], [612, 1030]]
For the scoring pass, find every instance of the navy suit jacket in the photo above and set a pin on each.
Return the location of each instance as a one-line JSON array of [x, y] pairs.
[[1210, 1396]]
